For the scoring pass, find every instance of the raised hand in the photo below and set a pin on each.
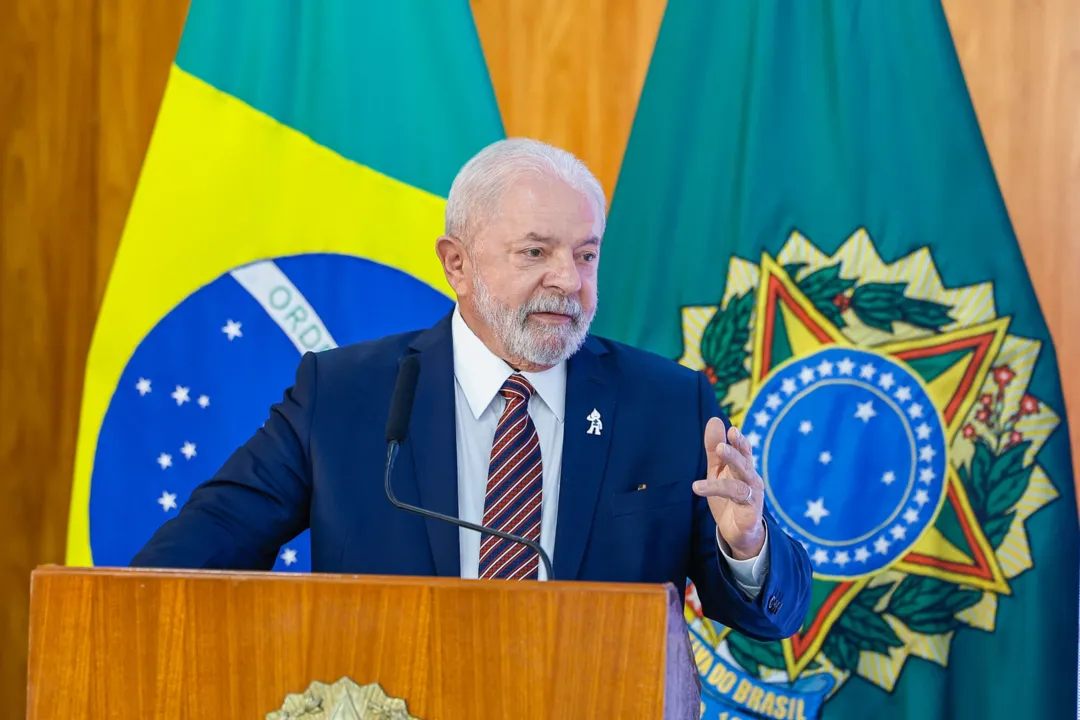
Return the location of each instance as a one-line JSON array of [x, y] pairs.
[[735, 491]]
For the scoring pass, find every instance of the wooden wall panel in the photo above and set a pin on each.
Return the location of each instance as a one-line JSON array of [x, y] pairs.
[[1021, 59], [47, 219], [80, 83], [570, 71], [79, 87]]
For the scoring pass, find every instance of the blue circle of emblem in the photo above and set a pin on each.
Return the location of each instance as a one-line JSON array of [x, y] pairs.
[[203, 379], [852, 452]]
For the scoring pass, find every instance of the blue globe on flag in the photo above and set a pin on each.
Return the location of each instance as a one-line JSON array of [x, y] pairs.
[[203, 380], [852, 452]]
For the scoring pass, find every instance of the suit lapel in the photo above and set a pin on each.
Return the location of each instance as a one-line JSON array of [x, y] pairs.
[[588, 387], [433, 443]]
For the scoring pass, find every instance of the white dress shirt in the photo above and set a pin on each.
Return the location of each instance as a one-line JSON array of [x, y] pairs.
[[478, 376]]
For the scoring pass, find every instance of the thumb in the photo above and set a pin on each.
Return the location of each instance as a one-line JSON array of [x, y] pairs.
[[715, 434]]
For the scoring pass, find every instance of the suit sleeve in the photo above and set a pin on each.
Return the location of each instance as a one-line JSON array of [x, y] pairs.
[[257, 501], [780, 607]]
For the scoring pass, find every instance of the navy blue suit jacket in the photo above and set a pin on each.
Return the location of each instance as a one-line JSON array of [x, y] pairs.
[[318, 462]]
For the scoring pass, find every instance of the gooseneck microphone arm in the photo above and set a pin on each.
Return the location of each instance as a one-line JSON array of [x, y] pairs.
[[397, 426], [391, 454]]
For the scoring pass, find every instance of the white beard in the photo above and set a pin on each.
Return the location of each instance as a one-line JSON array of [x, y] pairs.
[[533, 342]]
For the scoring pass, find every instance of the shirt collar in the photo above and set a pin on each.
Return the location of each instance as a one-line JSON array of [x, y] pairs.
[[481, 373]]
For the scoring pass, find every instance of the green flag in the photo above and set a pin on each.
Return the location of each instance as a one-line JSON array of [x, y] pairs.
[[807, 213], [288, 203]]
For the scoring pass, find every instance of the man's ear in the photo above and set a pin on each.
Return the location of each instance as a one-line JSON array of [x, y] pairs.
[[454, 259]]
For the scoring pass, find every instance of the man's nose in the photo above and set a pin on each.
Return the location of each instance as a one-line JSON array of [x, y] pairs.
[[563, 274]]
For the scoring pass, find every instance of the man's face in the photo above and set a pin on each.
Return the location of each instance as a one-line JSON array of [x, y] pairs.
[[532, 271]]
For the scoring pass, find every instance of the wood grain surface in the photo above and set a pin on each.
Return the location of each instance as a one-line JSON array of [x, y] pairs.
[[153, 644], [48, 210], [80, 84], [1021, 60], [570, 71]]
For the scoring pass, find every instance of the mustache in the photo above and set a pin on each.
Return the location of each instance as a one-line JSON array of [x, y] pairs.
[[559, 304]]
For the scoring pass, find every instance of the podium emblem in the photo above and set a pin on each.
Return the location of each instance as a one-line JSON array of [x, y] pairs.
[[344, 700]]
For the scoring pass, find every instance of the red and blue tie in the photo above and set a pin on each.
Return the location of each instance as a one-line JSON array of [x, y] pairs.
[[514, 489]]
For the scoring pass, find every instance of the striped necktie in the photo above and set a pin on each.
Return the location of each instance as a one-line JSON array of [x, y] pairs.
[[514, 489]]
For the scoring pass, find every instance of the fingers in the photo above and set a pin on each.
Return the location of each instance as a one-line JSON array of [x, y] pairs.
[[724, 486], [731, 450], [740, 465], [738, 440], [714, 435]]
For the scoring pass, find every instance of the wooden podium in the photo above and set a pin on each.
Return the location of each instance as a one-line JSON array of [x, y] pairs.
[[123, 643]]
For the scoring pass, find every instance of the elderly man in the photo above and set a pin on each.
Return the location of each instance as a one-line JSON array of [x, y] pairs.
[[616, 461]]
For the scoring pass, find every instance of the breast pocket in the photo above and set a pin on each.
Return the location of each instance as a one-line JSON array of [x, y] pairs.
[[650, 498]]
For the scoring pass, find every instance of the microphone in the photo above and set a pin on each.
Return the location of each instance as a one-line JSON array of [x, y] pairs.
[[397, 427]]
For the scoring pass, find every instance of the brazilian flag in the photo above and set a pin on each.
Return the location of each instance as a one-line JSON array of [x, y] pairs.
[[289, 201], [806, 212]]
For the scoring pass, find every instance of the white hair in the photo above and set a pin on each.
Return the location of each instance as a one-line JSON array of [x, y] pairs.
[[482, 182]]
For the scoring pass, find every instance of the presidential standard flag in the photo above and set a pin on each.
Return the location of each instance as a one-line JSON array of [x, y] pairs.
[[289, 201], [806, 212]]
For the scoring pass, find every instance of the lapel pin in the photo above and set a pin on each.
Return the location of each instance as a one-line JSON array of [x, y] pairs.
[[595, 426]]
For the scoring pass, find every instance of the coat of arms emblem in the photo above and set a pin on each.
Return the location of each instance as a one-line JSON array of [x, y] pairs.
[[892, 424]]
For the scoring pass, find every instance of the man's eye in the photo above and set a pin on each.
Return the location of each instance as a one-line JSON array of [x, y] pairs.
[[533, 252], [588, 257]]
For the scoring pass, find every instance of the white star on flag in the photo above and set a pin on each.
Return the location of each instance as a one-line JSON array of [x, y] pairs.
[[886, 380], [805, 427], [911, 515], [232, 329], [180, 395], [164, 460], [865, 411], [825, 457], [903, 393], [773, 401], [927, 475], [882, 545], [862, 554], [922, 497], [845, 366], [815, 510], [753, 438], [898, 532], [167, 501], [188, 450], [888, 478], [867, 371], [824, 368], [288, 556], [915, 411], [820, 556], [143, 386], [204, 401], [923, 432], [841, 558], [761, 418], [788, 386], [926, 453], [806, 375]]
